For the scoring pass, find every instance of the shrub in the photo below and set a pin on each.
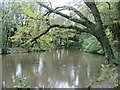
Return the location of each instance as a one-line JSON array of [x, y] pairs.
[[91, 44]]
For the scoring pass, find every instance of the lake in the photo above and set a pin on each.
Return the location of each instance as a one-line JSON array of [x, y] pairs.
[[53, 69]]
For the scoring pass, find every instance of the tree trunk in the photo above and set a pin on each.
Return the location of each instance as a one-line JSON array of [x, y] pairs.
[[102, 38]]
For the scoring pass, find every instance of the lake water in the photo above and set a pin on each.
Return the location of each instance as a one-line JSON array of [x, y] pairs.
[[55, 69]]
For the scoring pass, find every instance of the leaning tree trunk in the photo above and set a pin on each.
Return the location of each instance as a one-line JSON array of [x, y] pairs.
[[102, 38]]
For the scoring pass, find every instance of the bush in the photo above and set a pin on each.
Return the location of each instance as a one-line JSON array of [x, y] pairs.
[[91, 44], [106, 72]]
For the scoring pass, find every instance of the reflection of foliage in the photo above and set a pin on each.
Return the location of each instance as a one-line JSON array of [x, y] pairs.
[[22, 83]]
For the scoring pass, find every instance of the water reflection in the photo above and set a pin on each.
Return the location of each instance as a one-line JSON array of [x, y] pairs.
[[39, 66], [18, 70], [56, 69]]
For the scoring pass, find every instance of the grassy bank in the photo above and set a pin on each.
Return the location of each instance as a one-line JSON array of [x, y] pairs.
[[107, 79]]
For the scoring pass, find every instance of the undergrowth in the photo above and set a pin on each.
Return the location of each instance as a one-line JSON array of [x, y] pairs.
[[107, 72]]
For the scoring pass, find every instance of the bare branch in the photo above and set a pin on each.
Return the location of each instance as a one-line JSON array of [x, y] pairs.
[[83, 22], [74, 10], [109, 5]]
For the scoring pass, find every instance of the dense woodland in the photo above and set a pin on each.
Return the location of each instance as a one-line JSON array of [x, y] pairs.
[[89, 26], [39, 26], [93, 27]]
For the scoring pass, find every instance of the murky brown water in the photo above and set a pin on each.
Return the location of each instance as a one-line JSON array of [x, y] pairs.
[[56, 69]]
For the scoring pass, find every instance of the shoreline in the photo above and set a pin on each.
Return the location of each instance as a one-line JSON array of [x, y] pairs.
[[109, 82]]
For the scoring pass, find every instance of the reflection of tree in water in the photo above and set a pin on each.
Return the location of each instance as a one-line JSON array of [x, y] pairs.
[[62, 68], [8, 72]]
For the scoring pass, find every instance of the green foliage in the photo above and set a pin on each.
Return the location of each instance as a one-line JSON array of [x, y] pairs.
[[45, 42], [29, 21], [106, 72], [109, 72], [117, 58], [91, 44], [108, 11], [115, 82], [63, 38], [109, 35]]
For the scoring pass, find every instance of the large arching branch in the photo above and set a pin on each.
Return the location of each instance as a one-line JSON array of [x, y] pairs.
[[84, 22], [70, 8], [78, 29]]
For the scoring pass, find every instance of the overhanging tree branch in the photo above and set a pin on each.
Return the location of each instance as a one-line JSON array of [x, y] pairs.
[[97, 30], [84, 22], [78, 29], [76, 11]]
